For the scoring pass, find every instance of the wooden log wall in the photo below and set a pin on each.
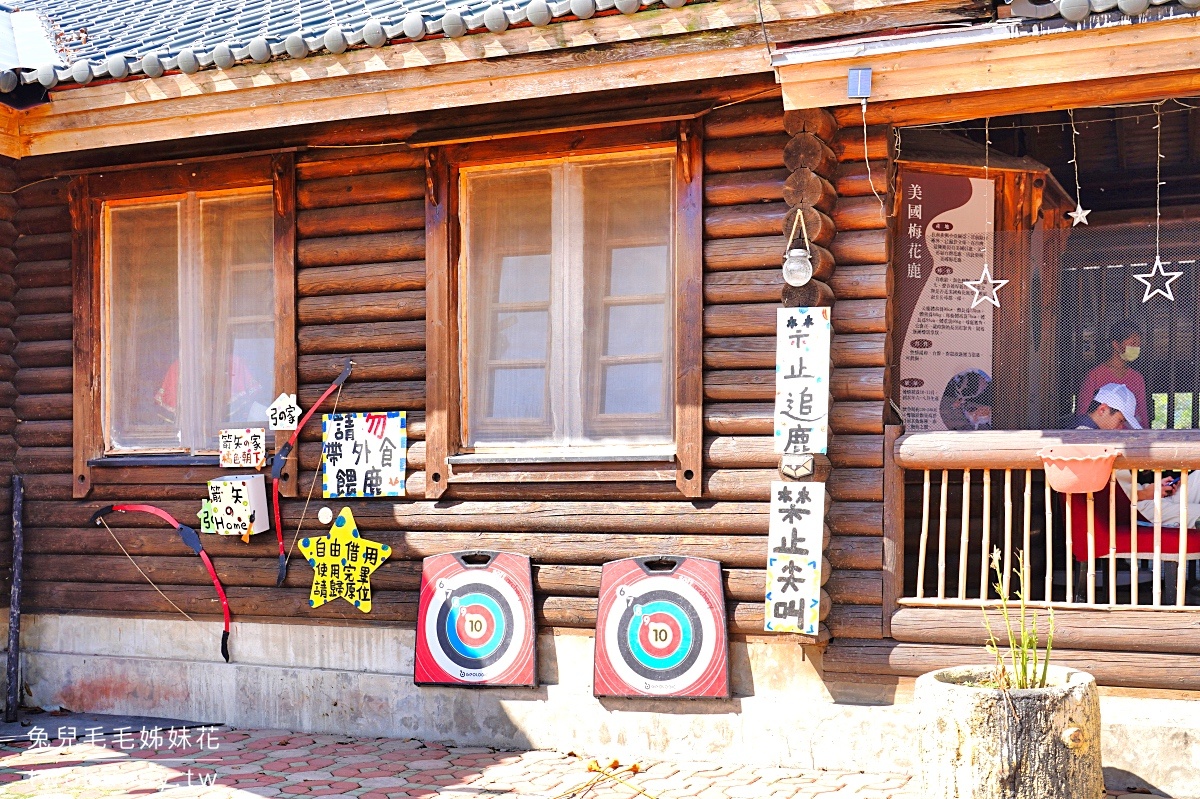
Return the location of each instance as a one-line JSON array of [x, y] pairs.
[[859, 284], [360, 287], [810, 198], [9, 235]]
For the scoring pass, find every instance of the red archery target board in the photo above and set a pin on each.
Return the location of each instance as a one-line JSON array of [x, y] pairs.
[[660, 629], [475, 620]]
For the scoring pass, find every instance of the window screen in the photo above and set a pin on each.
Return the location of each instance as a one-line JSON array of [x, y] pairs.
[[189, 333], [568, 324]]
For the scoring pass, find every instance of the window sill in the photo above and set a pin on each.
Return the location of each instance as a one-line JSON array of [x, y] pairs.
[[533, 456], [650, 465], [121, 461]]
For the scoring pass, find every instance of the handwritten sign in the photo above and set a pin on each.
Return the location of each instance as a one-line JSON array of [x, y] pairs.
[[243, 449], [236, 506], [342, 564], [365, 454], [802, 381], [284, 413], [793, 601]]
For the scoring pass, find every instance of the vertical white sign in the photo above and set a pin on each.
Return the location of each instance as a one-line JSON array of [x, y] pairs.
[[793, 601], [802, 381]]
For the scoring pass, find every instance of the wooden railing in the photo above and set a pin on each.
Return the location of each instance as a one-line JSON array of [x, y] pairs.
[[968, 494]]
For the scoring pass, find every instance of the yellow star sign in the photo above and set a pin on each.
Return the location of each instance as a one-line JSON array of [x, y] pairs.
[[342, 564]]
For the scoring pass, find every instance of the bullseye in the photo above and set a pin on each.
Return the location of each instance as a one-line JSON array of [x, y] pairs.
[[474, 626], [475, 622], [662, 635], [661, 632]]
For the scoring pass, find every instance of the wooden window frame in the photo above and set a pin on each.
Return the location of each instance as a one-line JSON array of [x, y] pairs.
[[443, 342], [87, 194]]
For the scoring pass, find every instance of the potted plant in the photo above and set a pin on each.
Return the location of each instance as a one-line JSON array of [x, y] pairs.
[[1017, 729]]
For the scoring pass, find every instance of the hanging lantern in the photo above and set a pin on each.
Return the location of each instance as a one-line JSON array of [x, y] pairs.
[[797, 267]]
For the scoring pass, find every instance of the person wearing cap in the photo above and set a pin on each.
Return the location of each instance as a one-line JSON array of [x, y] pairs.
[[1113, 407]]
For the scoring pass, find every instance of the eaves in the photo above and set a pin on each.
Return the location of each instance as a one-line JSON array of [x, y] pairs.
[[697, 42]]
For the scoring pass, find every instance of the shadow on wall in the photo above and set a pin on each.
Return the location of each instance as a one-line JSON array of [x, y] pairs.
[[1118, 780]]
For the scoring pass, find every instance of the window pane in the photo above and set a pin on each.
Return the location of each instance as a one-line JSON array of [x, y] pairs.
[[627, 261], [521, 335], [524, 278], [142, 338], [511, 304], [635, 330], [639, 270], [518, 393], [633, 388], [234, 372]]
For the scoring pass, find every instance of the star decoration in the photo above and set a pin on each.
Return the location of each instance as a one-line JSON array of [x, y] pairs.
[[342, 564], [985, 288], [1079, 215], [1158, 281]]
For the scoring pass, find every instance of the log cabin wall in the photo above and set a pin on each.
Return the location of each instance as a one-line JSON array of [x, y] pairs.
[[860, 324], [360, 289], [9, 235]]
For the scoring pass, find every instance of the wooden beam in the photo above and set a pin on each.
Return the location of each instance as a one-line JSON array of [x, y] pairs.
[[946, 73], [700, 41], [10, 133], [1130, 630], [1018, 449], [857, 657]]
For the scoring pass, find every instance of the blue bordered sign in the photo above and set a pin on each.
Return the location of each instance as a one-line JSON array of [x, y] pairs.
[[365, 454]]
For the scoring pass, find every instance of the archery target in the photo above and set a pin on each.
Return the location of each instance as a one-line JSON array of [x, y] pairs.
[[475, 622], [661, 634]]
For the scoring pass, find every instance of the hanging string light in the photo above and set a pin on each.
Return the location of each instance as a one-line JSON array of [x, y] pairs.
[[797, 263], [1158, 280], [986, 286], [1079, 215]]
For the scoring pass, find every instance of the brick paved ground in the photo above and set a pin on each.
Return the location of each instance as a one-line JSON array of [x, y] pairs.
[[242, 764]]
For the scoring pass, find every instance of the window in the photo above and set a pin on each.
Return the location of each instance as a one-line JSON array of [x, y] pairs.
[[568, 326], [564, 297], [185, 311], [189, 328]]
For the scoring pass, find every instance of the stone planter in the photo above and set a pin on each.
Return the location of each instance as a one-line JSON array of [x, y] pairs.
[[983, 743]]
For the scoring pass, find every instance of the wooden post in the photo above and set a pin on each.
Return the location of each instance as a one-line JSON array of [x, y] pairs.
[[893, 526], [13, 697]]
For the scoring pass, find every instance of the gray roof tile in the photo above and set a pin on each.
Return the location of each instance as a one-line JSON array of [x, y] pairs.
[[88, 39]]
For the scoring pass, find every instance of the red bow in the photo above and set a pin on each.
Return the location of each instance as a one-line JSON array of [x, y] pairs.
[[280, 459], [192, 539]]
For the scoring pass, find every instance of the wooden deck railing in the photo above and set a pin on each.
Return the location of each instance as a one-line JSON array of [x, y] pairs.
[[970, 493]]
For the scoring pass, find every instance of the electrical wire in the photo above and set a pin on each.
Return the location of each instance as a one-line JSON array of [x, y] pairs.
[[867, 160], [1158, 184], [312, 486], [960, 124]]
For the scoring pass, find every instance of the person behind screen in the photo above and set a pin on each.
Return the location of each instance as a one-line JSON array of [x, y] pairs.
[[1120, 348], [1113, 408]]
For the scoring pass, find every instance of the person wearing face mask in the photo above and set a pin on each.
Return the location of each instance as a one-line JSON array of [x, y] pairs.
[[1120, 348]]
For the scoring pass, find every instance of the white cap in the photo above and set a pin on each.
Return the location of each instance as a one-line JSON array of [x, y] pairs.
[[1118, 397]]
